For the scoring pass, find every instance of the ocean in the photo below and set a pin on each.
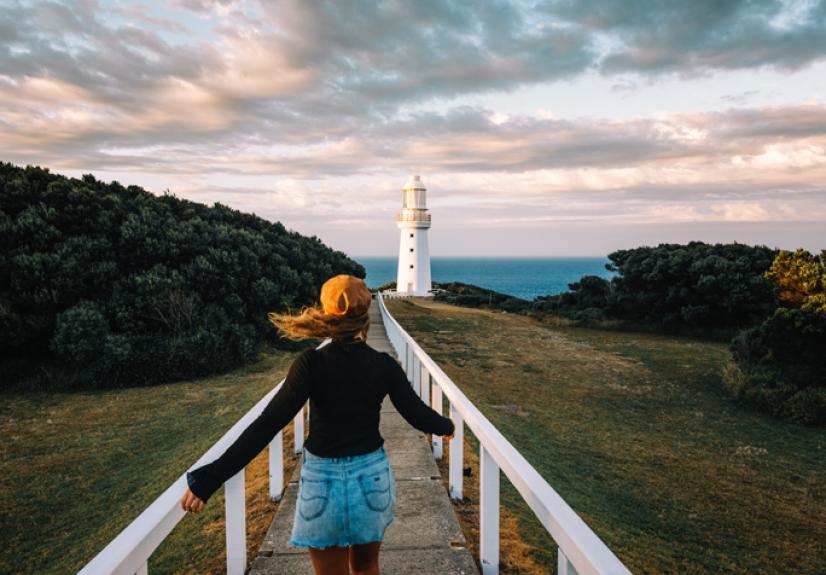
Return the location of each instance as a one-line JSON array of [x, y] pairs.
[[521, 277]]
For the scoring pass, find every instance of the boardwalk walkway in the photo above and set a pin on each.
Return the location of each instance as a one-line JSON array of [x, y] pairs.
[[424, 537]]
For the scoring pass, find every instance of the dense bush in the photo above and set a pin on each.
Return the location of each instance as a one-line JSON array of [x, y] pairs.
[[780, 365], [107, 285], [588, 292], [585, 302], [694, 287], [799, 279], [469, 295]]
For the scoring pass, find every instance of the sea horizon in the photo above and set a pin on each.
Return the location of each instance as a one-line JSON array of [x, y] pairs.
[[521, 276]]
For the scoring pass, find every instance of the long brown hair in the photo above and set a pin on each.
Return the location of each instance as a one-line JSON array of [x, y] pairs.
[[312, 322]]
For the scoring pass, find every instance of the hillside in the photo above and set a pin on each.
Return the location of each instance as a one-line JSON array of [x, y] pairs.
[[109, 285], [79, 467], [638, 433]]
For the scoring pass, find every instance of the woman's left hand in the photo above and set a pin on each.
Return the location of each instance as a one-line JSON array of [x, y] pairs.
[[191, 502]]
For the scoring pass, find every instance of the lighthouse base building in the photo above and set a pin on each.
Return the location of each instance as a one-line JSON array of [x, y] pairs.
[[413, 221]]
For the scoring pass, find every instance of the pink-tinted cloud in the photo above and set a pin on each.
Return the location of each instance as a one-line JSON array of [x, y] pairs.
[[315, 112]]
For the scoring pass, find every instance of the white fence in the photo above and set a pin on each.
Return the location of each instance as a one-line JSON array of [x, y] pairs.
[[393, 294], [129, 552], [580, 550]]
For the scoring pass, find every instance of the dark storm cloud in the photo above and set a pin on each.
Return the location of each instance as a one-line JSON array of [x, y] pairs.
[[401, 51], [701, 35]]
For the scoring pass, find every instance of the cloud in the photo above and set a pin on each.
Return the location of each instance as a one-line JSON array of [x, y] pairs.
[[312, 110], [299, 72], [695, 37]]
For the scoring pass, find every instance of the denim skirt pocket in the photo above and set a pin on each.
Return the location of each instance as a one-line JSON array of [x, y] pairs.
[[314, 494], [375, 487]]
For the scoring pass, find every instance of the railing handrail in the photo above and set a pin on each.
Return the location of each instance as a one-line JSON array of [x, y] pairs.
[[132, 547], [581, 546]]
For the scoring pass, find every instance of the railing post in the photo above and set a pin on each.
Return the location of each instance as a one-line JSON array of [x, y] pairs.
[[436, 404], [236, 524], [456, 448], [417, 375], [488, 512], [424, 383], [143, 569], [276, 455], [563, 566], [298, 431]]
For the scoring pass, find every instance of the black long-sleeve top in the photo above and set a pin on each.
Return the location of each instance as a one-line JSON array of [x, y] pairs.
[[345, 384]]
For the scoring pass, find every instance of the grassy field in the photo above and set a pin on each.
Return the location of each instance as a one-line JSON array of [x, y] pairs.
[[636, 432], [77, 468]]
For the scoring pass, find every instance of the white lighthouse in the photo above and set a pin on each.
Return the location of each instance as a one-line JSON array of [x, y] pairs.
[[414, 255]]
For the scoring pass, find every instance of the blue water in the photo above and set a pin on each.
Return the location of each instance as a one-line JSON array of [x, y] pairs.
[[521, 277]]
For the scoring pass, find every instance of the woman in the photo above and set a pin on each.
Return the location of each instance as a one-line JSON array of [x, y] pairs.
[[347, 492]]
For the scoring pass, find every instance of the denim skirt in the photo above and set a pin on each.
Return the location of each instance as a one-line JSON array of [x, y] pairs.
[[343, 500]]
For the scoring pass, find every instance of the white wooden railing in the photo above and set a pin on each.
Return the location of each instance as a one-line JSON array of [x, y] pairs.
[[580, 552], [393, 294], [129, 552]]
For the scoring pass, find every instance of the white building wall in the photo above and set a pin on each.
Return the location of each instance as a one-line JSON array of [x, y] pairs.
[[413, 273], [422, 265], [416, 279]]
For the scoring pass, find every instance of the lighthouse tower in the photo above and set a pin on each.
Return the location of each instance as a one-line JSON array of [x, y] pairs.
[[414, 255]]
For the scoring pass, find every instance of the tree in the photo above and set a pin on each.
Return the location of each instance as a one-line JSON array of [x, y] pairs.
[[111, 285], [800, 279], [780, 365]]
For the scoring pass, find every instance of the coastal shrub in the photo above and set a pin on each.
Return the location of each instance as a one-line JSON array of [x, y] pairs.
[[694, 288], [80, 333], [590, 292], [107, 285], [589, 315], [696, 285], [780, 365], [469, 295], [799, 279]]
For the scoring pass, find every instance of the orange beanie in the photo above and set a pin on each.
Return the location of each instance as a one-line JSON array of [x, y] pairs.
[[345, 295]]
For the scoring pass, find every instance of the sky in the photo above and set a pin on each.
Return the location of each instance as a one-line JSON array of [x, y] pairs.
[[548, 128]]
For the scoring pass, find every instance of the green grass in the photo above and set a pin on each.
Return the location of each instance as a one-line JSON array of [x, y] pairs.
[[76, 468], [638, 434]]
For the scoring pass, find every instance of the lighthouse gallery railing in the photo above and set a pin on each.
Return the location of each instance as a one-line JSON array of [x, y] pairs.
[[580, 550], [413, 217]]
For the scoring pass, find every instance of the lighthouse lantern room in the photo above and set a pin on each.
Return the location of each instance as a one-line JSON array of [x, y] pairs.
[[414, 254]]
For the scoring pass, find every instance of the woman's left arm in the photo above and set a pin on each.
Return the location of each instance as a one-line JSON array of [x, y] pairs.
[[295, 391]]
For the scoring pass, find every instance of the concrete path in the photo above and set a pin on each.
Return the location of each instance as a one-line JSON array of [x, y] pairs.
[[424, 537]]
